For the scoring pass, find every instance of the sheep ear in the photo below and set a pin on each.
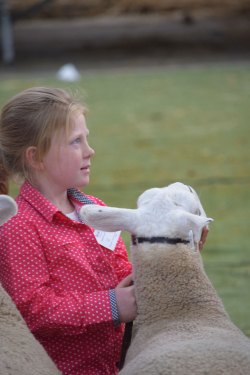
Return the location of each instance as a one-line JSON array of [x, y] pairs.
[[8, 208], [109, 219], [196, 223]]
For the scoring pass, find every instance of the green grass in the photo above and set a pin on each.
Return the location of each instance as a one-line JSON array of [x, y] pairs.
[[152, 127]]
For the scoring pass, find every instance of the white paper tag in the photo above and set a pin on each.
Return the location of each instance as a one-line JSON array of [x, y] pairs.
[[107, 239]]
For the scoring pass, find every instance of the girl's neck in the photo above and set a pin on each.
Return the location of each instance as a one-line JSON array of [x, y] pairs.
[[56, 196], [61, 201]]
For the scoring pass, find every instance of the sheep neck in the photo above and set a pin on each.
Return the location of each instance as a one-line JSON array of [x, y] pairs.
[[170, 279]]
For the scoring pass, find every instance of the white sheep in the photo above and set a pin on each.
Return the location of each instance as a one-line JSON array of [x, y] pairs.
[[20, 352], [182, 327]]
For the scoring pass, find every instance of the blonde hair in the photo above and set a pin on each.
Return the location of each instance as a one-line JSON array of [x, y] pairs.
[[30, 118]]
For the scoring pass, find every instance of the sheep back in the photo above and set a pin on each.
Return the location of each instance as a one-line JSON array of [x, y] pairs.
[[20, 352]]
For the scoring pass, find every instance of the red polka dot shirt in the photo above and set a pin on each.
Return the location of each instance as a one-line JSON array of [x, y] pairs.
[[60, 279]]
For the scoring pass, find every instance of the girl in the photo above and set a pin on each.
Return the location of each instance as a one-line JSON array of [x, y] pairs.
[[74, 293]]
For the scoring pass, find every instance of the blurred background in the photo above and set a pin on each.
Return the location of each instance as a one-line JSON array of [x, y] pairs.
[[35, 30], [167, 84]]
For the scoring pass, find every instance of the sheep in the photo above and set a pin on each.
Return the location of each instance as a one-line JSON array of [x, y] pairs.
[[20, 352], [182, 326]]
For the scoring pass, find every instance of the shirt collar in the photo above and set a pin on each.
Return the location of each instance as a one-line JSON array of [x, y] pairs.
[[45, 207], [79, 196], [38, 201]]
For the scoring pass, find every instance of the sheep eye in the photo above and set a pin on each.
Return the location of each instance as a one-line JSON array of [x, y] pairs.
[[176, 204], [198, 212]]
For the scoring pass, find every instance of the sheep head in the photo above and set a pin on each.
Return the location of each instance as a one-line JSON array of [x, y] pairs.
[[8, 208], [173, 211]]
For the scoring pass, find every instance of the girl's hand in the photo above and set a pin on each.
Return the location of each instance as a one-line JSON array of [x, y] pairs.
[[125, 299], [204, 234]]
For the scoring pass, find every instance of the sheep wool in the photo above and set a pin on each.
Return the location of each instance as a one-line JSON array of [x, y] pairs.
[[181, 327], [20, 352]]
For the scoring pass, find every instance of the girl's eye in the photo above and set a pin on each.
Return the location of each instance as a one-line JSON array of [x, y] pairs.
[[77, 140]]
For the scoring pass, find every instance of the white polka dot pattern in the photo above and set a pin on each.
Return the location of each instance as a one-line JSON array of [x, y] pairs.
[[60, 277]]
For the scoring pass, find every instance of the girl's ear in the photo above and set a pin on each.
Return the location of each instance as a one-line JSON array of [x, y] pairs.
[[32, 158]]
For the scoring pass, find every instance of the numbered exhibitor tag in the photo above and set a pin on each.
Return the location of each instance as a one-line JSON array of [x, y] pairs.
[[107, 239]]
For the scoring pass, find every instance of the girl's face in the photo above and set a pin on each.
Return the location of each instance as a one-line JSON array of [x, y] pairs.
[[67, 163]]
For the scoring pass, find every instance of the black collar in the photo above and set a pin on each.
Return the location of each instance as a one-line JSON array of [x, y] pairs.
[[171, 241]]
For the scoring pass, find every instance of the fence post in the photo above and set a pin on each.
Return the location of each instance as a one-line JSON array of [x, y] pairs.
[[8, 53]]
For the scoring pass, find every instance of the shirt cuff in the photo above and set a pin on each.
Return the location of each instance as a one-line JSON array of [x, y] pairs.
[[114, 309]]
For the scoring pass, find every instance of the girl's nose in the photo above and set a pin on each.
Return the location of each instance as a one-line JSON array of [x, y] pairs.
[[92, 151], [89, 151]]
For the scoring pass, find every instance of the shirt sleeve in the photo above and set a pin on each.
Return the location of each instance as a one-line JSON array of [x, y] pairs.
[[24, 274], [114, 308]]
